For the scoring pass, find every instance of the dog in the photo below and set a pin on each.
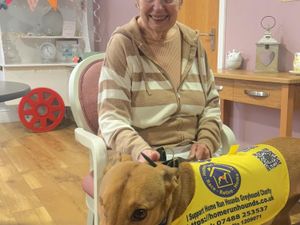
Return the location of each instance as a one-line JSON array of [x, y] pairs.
[[133, 193]]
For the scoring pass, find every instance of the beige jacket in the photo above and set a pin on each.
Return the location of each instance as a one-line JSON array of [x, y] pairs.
[[139, 108]]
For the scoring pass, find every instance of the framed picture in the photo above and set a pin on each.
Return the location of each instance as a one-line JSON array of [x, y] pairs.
[[66, 49]]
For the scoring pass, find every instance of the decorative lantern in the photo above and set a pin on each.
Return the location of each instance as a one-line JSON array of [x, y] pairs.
[[267, 49]]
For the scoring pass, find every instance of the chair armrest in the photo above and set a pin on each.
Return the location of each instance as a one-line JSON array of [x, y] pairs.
[[98, 160], [227, 138], [97, 149]]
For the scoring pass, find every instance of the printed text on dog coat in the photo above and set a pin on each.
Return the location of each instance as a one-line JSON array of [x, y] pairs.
[[247, 187]]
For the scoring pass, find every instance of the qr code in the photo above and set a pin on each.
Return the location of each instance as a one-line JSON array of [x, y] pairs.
[[268, 158]]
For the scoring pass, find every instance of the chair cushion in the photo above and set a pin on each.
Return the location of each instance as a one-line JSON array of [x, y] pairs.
[[89, 86], [88, 184]]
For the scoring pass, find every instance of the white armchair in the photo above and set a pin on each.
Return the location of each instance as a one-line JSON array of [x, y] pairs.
[[83, 86]]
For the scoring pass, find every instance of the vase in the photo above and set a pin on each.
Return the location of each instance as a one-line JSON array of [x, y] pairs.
[[52, 23]]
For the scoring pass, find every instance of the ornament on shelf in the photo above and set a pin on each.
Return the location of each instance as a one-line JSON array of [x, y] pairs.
[[76, 59], [33, 4], [11, 53], [296, 64], [53, 4], [52, 22], [234, 60], [267, 48], [48, 52], [4, 4]]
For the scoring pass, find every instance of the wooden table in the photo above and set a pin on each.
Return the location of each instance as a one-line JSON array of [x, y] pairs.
[[275, 90]]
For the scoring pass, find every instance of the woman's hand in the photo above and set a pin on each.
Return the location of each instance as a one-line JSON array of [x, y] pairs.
[[199, 152], [152, 154]]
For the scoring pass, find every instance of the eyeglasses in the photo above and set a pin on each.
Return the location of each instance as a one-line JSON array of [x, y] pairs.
[[163, 2]]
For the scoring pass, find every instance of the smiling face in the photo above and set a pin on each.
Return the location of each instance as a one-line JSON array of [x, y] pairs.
[[157, 17]]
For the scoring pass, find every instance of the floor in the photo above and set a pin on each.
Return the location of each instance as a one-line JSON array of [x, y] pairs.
[[40, 177]]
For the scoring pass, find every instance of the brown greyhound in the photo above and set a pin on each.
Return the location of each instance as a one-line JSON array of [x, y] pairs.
[[133, 193]]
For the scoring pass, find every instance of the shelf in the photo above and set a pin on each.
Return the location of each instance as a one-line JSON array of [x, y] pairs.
[[26, 36], [39, 65], [22, 32]]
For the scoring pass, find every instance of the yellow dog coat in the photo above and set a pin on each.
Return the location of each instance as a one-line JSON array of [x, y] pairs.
[[245, 187]]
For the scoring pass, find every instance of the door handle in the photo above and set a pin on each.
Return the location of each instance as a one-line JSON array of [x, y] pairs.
[[212, 38]]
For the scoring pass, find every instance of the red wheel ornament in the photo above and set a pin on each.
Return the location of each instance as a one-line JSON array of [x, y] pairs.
[[41, 110]]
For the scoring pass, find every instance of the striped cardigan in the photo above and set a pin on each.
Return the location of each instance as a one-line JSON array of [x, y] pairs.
[[138, 106]]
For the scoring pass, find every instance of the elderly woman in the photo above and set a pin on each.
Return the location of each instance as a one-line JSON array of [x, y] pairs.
[[156, 89]]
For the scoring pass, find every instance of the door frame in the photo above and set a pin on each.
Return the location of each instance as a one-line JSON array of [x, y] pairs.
[[221, 31]]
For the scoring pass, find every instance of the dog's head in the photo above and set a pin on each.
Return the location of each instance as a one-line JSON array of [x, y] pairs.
[[137, 193]]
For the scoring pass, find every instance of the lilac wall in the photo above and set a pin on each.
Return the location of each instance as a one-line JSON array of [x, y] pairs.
[[252, 124], [243, 28], [114, 13]]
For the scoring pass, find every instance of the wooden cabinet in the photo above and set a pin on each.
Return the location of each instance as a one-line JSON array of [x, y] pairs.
[[275, 90], [263, 94]]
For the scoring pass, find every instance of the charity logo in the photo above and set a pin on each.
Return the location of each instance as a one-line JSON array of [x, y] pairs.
[[223, 180], [268, 158]]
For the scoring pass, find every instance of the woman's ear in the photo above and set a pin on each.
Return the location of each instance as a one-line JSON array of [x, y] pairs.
[[137, 4]]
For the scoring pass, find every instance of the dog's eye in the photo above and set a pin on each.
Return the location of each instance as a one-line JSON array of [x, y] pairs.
[[139, 214]]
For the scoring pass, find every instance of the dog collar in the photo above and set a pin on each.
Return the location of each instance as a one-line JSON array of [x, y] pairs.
[[174, 162]]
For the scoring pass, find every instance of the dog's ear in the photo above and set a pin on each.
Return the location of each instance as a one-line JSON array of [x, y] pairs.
[[172, 187], [170, 176]]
